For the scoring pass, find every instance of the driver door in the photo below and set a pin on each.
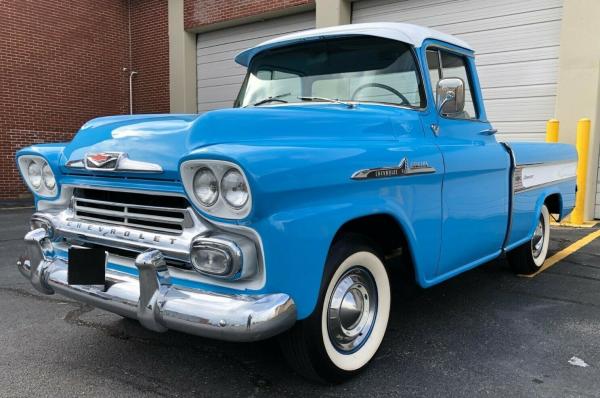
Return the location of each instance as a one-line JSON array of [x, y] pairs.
[[475, 186]]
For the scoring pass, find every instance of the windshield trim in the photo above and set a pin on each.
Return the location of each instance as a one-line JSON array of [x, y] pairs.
[[424, 103], [308, 103]]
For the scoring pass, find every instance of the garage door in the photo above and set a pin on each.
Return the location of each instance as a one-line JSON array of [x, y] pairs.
[[517, 46], [219, 77]]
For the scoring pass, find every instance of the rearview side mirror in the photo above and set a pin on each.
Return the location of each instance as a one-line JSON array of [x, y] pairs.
[[450, 96]]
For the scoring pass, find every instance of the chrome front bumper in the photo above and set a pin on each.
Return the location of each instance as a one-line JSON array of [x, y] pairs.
[[155, 302]]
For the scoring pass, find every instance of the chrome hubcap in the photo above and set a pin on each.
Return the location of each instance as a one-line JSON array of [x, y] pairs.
[[537, 243], [352, 308]]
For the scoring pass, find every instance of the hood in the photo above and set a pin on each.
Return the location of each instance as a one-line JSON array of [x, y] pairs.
[[165, 139]]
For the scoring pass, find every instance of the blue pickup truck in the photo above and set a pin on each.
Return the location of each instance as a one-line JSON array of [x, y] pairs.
[[349, 152]]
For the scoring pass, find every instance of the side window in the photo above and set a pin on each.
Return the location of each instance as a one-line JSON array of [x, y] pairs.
[[456, 66], [433, 62]]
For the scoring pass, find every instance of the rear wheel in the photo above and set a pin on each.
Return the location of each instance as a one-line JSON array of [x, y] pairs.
[[344, 332], [530, 257]]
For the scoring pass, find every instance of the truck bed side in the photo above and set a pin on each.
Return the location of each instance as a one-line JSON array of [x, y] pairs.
[[542, 173]]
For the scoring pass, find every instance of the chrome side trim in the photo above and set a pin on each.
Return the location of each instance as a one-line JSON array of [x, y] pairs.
[[547, 184], [157, 303], [404, 168], [552, 162], [536, 175]]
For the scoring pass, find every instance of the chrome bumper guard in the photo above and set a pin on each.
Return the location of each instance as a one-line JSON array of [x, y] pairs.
[[155, 302]]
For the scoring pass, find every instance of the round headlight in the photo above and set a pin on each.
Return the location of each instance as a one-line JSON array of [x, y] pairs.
[[206, 186], [48, 177], [234, 189], [34, 173]]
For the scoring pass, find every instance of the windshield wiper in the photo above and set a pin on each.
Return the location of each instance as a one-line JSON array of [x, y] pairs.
[[271, 99], [335, 101]]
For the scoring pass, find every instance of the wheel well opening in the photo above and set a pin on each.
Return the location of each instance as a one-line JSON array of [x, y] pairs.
[[554, 204], [385, 232]]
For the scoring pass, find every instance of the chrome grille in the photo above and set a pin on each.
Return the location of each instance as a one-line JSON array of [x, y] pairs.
[[149, 212]]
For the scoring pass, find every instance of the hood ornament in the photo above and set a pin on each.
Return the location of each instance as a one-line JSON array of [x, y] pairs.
[[404, 168], [112, 161]]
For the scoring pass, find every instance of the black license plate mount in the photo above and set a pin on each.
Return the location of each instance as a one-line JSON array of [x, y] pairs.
[[87, 266]]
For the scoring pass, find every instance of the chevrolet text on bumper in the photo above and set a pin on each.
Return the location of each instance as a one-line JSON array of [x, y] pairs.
[[155, 302], [350, 151]]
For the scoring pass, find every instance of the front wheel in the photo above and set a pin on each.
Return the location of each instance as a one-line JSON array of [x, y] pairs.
[[347, 327], [529, 258]]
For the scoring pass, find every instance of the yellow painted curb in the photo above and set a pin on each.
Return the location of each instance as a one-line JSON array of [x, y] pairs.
[[567, 251]]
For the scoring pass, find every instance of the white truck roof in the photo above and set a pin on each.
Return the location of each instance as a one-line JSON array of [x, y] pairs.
[[404, 32]]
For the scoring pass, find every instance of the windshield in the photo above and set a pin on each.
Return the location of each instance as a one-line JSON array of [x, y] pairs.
[[357, 68]]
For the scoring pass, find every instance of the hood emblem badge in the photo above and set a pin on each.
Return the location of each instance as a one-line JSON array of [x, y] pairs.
[[113, 161], [404, 168], [102, 160]]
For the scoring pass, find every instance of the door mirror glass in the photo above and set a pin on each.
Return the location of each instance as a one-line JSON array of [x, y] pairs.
[[450, 96]]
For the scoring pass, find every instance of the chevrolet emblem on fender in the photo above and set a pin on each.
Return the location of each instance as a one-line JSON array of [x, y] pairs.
[[404, 168], [113, 161]]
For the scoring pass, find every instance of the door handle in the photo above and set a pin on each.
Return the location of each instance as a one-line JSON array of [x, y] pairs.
[[435, 128], [489, 131]]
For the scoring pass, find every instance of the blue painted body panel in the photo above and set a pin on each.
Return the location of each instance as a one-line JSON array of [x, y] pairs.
[[527, 205], [299, 159], [541, 152]]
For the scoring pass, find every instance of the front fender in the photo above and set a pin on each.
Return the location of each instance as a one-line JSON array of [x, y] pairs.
[[303, 194], [52, 153], [297, 241]]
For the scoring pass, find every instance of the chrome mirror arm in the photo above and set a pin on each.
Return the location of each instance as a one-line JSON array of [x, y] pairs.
[[450, 96]]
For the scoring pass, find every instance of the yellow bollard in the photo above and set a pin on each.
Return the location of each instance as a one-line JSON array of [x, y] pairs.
[[583, 147], [552, 130]]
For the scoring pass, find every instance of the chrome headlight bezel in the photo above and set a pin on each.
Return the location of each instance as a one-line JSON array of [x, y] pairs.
[[220, 208], [24, 162]]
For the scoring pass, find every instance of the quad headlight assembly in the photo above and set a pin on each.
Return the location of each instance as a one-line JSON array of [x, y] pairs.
[[217, 187], [221, 189], [38, 175]]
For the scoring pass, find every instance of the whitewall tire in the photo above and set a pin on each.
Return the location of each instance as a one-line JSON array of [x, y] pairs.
[[363, 340], [348, 325], [529, 257]]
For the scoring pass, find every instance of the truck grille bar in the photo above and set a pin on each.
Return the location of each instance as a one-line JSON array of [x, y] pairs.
[[167, 214]]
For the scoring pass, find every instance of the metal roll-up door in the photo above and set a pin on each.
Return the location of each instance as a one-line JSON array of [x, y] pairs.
[[516, 44], [219, 77]]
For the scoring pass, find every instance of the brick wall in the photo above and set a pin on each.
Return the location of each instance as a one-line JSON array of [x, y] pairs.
[[150, 55], [62, 64], [199, 13]]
